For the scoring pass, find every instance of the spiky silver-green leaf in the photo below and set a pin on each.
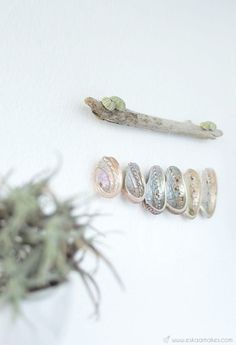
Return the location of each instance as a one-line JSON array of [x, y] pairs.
[[40, 240]]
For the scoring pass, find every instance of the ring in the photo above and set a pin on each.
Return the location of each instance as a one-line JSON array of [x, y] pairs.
[[209, 192], [185, 194], [108, 177], [134, 184], [193, 189], [155, 196], [175, 191]]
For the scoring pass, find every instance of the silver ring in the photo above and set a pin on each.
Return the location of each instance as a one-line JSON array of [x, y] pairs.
[[175, 191], [193, 189], [134, 184], [209, 192], [155, 196], [108, 177]]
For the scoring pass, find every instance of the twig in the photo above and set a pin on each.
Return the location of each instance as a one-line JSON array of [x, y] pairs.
[[133, 119]]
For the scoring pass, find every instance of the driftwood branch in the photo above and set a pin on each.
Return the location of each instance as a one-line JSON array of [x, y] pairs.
[[156, 124]]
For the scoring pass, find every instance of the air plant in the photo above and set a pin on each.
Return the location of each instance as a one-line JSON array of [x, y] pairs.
[[42, 240]]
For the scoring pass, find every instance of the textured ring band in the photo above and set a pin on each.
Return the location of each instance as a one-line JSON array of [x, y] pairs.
[[108, 177], [134, 184], [193, 188], [155, 197], [209, 192], [175, 191]]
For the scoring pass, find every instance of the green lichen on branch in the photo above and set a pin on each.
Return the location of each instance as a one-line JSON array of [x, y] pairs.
[[113, 110], [42, 240], [208, 126], [113, 102]]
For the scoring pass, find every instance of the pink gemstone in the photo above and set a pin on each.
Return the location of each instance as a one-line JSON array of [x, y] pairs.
[[102, 179]]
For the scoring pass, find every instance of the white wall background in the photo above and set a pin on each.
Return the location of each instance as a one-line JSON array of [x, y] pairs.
[[170, 58]]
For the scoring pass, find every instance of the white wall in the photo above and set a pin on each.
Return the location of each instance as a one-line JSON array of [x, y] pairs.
[[171, 58]]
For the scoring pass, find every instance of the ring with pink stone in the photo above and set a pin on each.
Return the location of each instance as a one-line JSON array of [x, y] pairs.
[[108, 177]]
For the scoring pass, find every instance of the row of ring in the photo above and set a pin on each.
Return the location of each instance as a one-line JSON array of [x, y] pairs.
[[180, 193]]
